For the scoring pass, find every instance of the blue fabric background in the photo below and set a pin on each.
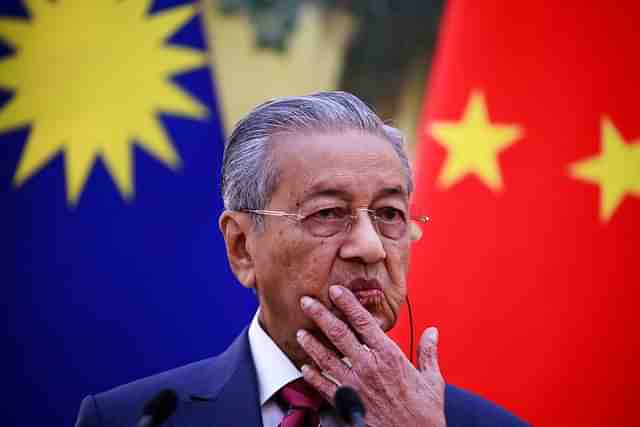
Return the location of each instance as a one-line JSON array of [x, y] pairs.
[[111, 291]]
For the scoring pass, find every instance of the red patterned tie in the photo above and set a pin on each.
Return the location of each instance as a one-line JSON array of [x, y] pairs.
[[303, 402]]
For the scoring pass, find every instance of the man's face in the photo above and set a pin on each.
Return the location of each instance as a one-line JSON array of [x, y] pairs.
[[321, 172]]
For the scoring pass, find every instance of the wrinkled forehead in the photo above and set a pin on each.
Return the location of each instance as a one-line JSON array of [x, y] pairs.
[[355, 166]]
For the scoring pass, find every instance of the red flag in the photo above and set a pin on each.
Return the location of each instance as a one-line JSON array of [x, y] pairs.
[[529, 165]]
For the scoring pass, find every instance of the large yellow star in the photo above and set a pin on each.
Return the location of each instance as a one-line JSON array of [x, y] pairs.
[[473, 144], [90, 78], [616, 170]]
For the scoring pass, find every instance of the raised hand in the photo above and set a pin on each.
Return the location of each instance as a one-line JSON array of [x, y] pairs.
[[394, 392]]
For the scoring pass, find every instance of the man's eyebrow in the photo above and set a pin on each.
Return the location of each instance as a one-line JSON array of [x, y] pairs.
[[326, 192], [397, 190]]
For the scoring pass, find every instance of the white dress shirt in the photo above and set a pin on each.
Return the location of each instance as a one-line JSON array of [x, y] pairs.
[[274, 371]]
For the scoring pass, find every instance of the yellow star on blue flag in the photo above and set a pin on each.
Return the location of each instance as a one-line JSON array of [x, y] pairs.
[[110, 151]]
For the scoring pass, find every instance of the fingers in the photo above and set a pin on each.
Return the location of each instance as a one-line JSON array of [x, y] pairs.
[[359, 318], [335, 329], [326, 359], [325, 386], [428, 351]]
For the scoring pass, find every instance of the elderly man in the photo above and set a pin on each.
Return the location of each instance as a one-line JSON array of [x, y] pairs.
[[317, 222]]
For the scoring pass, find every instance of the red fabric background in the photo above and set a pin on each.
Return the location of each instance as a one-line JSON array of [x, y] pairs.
[[532, 292]]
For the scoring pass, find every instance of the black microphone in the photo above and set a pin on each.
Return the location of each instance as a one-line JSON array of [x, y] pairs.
[[350, 406], [157, 410]]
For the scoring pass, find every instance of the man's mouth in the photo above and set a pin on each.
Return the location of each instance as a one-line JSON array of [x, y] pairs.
[[370, 297], [368, 292]]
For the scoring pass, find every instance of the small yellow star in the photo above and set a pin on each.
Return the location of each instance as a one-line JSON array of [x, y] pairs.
[[473, 144], [616, 170]]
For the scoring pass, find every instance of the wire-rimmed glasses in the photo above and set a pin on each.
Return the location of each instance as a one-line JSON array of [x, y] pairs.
[[389, 222]]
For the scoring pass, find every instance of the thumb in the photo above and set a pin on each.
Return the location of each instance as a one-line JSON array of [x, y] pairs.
[[428, 351]]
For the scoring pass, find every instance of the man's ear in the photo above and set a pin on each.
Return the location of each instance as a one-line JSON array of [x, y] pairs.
[[236, 228]]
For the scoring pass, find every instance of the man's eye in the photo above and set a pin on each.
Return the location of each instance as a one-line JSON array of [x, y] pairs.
[[330, 214], [389, 214]]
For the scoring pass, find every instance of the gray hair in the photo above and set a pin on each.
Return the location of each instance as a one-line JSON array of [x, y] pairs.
[[248, 176]]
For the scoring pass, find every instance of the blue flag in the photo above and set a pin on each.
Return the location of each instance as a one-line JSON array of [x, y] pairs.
[[110, 151]]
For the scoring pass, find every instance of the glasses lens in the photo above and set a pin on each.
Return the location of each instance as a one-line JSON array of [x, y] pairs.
[[391, 222], [327, 222], [392, 230]]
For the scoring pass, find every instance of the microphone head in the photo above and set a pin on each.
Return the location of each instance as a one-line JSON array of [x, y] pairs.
[[348, 403], [161, 406]]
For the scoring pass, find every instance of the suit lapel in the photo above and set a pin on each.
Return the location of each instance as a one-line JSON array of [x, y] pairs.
[[226, 394]]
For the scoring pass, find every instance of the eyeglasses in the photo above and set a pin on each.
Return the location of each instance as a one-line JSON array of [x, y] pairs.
[[388, 222]]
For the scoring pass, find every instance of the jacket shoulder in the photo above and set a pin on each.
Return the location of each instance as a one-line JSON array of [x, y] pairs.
[[123, 405], [465, 409], [201, 380]]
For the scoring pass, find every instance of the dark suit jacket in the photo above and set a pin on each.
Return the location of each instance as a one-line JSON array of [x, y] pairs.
[[223, 391]]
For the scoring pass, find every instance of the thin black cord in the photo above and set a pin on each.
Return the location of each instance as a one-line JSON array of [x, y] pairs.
[[410, 330]]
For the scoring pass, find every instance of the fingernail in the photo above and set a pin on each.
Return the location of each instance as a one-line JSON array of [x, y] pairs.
[[433, 333], [304, 369], [306, 302], [335, 291], [300, 334]]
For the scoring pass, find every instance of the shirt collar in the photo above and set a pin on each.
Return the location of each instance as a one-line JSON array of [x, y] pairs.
[[273, 367]]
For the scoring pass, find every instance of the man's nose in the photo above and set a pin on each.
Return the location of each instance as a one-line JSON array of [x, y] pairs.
[[363, 241]]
